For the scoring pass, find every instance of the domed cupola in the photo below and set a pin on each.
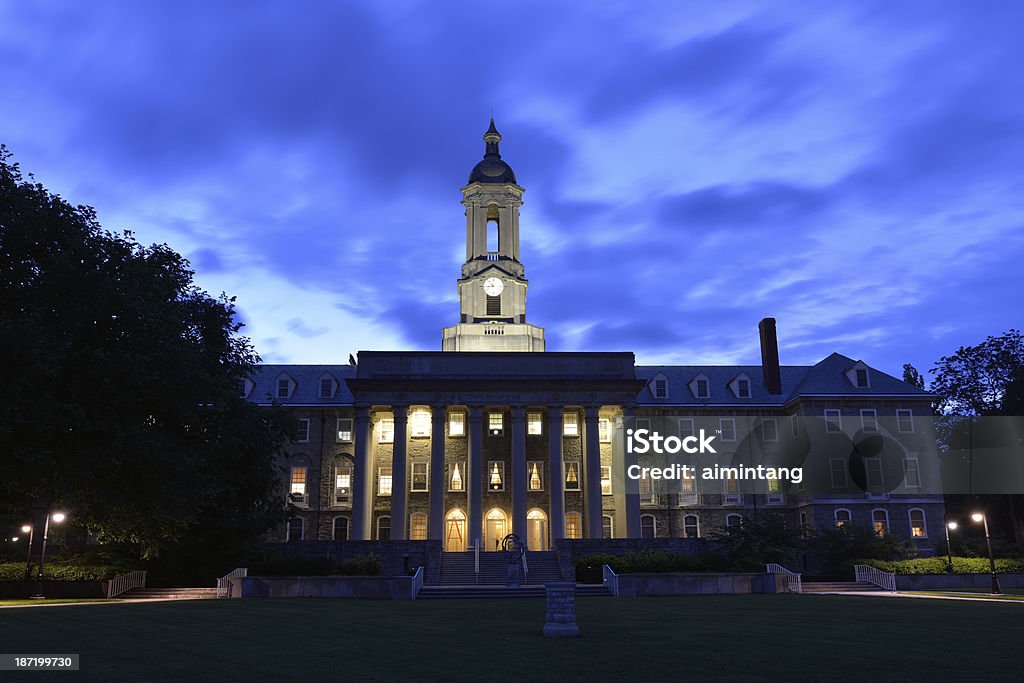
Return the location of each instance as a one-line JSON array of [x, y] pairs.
[[492, 169]]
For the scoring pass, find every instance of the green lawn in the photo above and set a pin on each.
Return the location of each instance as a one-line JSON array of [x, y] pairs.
[[51, 601], [969, 594], [755, 637]]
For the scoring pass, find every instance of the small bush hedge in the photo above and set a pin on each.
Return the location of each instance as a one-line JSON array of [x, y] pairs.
[[588, 569], [15, 571], [937, 565]]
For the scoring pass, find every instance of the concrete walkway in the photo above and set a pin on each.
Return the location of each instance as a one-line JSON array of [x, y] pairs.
[[898, 594]]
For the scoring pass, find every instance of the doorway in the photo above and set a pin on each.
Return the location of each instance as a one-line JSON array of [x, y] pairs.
[[455, 531], [495, 525], [536, 530]]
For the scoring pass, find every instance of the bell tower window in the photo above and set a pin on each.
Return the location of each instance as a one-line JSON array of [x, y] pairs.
[[494, 305], [492, 236]]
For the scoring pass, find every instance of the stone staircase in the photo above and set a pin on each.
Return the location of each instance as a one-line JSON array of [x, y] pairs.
[[838, 587], [457, 569], [169, 594]]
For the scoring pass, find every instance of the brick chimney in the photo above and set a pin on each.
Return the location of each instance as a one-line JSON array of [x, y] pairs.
[[770, 356]]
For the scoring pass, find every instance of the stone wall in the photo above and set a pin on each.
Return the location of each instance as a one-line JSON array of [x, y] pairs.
[[397, 558]]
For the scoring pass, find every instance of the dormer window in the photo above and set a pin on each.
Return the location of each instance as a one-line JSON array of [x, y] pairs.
[[740, 386], [244, 387], [661, 388], [326, 387], [701, 386], [285, 387], [859, 376]]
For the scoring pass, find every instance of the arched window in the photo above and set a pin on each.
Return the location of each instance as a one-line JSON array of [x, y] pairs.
[[493, 244], [417, 527], [733, 521], [648, 526], [295, 525], [918, 526], [880, 522], [842, 516], [606, 527], [341, 528], [384, 529], [691, 526], [573, 525]]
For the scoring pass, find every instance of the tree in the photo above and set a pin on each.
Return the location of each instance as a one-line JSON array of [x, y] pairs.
[[839, 547], [984, 380], [912, 377], [121, 396], [759, 540]]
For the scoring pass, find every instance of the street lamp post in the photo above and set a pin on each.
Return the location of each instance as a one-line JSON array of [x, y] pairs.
[[981, 517], [29, 529], [951, 526], [57, 518]]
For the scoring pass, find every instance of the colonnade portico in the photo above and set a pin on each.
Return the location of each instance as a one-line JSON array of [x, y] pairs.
[[367, 461]]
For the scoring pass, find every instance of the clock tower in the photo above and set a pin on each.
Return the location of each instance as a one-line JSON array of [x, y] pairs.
[[492, 289]]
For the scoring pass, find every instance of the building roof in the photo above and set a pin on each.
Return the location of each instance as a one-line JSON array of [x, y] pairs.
[[306, 384]]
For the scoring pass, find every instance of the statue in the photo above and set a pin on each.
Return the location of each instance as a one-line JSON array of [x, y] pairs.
[[514, 549]]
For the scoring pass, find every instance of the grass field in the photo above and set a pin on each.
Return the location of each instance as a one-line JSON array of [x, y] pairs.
[[755, 637], [52, 601]]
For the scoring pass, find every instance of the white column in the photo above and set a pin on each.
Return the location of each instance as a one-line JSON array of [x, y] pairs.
[[399, 480], [557, 479], [519, 471], [362, 477], [474, 493], [437, 482], [592, 474]]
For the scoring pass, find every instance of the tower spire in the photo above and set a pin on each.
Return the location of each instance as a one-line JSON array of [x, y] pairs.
[[492, 137]]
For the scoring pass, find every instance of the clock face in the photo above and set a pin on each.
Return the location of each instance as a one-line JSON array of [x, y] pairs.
[[493, 286]]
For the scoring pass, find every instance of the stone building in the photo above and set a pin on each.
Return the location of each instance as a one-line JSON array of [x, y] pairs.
[[494, 435]]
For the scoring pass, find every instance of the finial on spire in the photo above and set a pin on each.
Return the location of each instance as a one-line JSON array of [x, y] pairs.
[[492, 137]]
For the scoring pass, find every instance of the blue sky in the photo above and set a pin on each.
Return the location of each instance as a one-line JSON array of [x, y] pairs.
[[854, 170]]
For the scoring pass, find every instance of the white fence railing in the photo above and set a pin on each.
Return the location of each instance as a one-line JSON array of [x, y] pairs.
[[610, 580], [476, 560], [224, 586], [125, 582], [417, 582], [793, 582], [886, 580]]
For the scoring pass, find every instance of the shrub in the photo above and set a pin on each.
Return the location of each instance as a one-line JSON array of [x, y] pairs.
[[360, 565], [937, 565], [588, 568], [15, 571]]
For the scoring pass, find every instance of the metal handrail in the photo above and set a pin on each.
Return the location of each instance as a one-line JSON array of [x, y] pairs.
[[417, 582], [610, 579], [476, 560], [868, 574], [526, 571], [224, 586], [125, 582], [791, 577]]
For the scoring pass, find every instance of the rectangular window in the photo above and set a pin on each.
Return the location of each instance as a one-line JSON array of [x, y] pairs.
[[419, 476], [732, 491], [298, 482], [771, 429], [604, 430], [534, 423], [572, 525], [326, 388], [456, 424], [687, 491], [493, 305], [302, 435], [727, 426], [917, 524], [495, 423], [570, 424], [418, 527], [660, 388], [873, 472], [387, 430], [572, 476], [456, 471], [535, 475], [862, 378], [342, 484], [685, 427], [794, 425], [833, 421], [384, 481], [283, 388], [905, 420], [606, 480], [646, 490], [869, 420], [775, 496], [702, 388], [496, 475], [837, 468], [243, 388], [419, 424], [344, 429], [911, 473], [743, 388]]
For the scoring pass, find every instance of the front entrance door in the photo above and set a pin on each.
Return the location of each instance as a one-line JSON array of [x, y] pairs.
[[536, 530], [455, 531], [494, 529]]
